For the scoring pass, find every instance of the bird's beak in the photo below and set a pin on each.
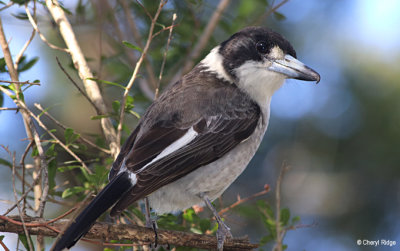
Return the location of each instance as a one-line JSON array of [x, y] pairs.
[[293, 68]]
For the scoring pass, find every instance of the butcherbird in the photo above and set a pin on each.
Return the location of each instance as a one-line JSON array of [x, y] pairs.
[[200, 134]]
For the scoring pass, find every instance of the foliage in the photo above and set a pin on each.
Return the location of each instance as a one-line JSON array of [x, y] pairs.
[[68, 151]]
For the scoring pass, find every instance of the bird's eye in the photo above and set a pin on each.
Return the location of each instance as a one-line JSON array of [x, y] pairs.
[[262, 47]]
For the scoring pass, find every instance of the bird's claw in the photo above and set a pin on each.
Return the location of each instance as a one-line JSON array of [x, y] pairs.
[[223, 232]]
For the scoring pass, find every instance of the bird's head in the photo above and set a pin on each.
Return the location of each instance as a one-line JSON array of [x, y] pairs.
[[258, 60]]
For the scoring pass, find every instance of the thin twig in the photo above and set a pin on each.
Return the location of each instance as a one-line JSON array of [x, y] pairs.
[[78, 87], [8, 109], [66, 148], [205, 36], [34, 183], [19, 82], [87, 141], [241, 201], [138, 40], [136, 70], [4, 246], [27, 43], [91, 87], [270, 11], [7, 5], [8, 93], [19, 209], [22, 163], [35, 27], [165, 56], [279, 231]]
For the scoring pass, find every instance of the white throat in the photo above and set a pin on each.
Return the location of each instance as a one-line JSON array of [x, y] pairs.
[[256, 80]]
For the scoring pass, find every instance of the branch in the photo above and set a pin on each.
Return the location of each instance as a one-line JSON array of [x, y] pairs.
[[91, 87], [121, 232], [136, 70], [270, 11], [279, 231], [241, 201], [81, 138], [205, 37], [27, 43], [35, 28], [165, 56], [138, 40], [19, 82]]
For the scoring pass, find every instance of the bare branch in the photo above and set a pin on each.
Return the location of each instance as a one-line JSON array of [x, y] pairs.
[[241, 201], [91, 87], [138, 40], [30, 244], [165, 56], [270, 11], [279, 231], [205, 37], [9, 109], [77, 86], [87, 141], [19, 82], [27, 43], [136, 70], [35, 27]]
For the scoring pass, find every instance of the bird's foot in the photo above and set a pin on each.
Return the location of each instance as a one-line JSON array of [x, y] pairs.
[[223, 232], [150, 223]]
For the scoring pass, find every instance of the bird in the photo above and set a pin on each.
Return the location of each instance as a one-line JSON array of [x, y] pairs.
[[199, 135]]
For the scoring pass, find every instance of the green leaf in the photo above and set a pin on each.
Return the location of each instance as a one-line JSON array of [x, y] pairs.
[[285, 216], [107, 82], [266, 239], [21, 16], [24, 240], [3, 65], [1, 237], [134, 114], [204, 224], [24, 66], [189, 214], [295, 219], [5, 162], [20, 2], [67, 168], [52, 170], [70, 136], [129, 45], [116, 105], [72, 191], [279, 16], [96, 117], [1, 99]]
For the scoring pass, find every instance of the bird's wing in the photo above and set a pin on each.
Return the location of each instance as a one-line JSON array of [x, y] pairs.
[[169, 150]]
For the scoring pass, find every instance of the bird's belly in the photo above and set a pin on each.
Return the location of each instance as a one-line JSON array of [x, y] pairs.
[[212, 179]]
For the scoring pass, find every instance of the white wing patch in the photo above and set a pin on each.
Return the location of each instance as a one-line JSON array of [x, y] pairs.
[[190, 135], [123, 168]]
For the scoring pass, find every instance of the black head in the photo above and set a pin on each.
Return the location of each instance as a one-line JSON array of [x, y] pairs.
[[252, 43]]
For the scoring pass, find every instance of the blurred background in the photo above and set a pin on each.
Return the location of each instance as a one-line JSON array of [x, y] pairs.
[[340, 137]]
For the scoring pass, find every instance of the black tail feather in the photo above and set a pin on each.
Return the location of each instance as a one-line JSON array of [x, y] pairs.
[[104, 200]]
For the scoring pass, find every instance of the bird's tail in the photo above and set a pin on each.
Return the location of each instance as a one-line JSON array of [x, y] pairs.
[[104, 200]]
